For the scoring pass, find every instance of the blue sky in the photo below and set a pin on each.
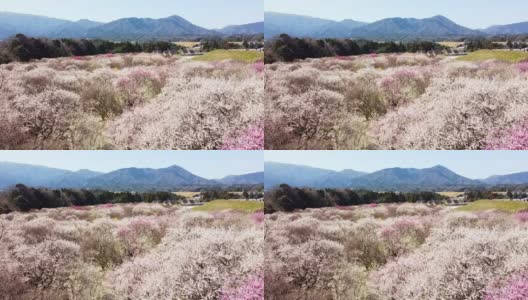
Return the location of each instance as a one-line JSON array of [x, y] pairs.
[[471, 13], [206, 13], [472, 164], [208, 164]]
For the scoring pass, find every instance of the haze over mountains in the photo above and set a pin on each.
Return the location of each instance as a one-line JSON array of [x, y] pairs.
[[129, 179], [391, 179], [400, 29], [134, 29]]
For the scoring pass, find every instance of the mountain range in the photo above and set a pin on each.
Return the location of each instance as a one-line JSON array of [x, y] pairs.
[[129, 179], [133, 29], [399, 29], [391, 179]]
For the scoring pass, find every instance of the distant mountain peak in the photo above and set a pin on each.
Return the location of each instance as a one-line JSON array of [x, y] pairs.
[[440, 167], [397, 28], [440, 17], [395, 178], [135, 28]]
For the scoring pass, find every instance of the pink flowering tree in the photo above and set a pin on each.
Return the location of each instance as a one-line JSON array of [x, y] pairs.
[[251, 138], [258, 217], [523, 67], [514, 289], [258, 67], [515, 138], [252, 289]]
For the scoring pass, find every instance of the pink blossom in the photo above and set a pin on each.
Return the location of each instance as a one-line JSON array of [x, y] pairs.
[[373, 205], [77, 207], [515, 138], [258, 67], [249, 139], [344, 207], [521, 217], [258, 217], [252, 289], [219, 215], [523, 67], [515, 289]]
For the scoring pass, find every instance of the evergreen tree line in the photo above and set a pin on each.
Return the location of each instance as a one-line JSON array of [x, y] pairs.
[[287, 49], [287, 198], [214, 44], [24, 198], [22, 48], [210, 195]]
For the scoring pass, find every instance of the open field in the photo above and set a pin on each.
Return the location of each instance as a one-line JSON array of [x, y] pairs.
[[450, 44], [142, 251], [187, 44], [236, 55], [397, 101], [451, 194], [396, 252], [141, 101], [500, 55], [502, 205], [236, 205]]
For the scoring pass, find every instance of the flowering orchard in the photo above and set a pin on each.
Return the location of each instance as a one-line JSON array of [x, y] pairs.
[[396, 252], [396, 101], [141, 251], [140, 101]]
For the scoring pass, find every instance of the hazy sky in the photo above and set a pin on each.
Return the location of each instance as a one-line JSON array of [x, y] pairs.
[[470, 13], [208, 164], [472, 164], [206, 13]]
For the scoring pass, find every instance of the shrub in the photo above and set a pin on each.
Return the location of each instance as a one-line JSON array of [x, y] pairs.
[[139, 86], [99, 246], [403, 236], [139, 236], [47, 266]]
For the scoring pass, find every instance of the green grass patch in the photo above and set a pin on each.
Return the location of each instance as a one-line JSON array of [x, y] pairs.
[[237, 55], [482, 205], [244, 206], [507, 56]]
